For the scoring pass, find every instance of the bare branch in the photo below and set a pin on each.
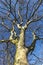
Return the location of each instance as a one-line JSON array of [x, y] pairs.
[[10, 5], [32, 46], [18, 25], [38, 18], [12, 31], [4, 41], [20, 15], [38, 5], [34, 20], [5, 26], [12, 41], [6, 4], [38, 57], [27, 8], [35, 38]]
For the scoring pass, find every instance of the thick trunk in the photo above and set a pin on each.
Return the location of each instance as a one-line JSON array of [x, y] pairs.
[[20, 56]]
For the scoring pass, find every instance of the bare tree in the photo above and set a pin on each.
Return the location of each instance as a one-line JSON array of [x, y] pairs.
[[16, 11]]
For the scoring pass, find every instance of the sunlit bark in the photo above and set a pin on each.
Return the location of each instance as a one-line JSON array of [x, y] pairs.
[[20, 56]]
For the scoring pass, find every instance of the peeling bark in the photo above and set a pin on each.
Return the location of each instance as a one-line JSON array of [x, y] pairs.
[[20, 56]]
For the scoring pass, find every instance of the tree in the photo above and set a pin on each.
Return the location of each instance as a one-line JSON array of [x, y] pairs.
[[21, 14]]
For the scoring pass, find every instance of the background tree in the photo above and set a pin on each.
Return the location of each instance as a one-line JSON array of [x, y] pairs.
[[20, 22]]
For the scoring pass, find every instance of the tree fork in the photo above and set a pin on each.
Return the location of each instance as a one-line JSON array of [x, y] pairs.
[[20, 56]]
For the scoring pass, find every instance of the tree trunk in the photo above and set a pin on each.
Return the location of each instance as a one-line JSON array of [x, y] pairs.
[[20, 56]]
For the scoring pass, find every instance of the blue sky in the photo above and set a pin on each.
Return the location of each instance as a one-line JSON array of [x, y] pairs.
[[38, 51]]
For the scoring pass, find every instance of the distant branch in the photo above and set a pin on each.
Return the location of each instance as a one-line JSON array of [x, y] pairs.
[[34, 20], [38, 18], [32, 46], [20, 15], [5, 25], [38, 5], [10, 5], [27, 8], [38, 57]]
